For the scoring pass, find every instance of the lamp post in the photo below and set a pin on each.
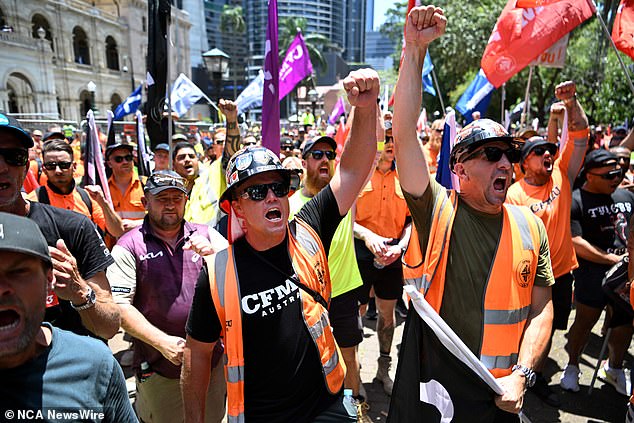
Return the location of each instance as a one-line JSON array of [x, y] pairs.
[[313, 95], [92, 87], [217, 64], [125, 68]]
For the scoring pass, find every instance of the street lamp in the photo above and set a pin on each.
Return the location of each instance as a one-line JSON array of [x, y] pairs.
[[92, 87], [217, 63], [128, 60], [313, 95]]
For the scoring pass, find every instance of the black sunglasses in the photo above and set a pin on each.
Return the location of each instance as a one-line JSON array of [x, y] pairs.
[[494, 154], [127, 158], [539, 151], [15, 156], [319, 154], [613, 174], [260, 191], [53, 165]]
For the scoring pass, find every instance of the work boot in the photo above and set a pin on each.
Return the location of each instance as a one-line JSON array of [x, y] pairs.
[[383, 374]]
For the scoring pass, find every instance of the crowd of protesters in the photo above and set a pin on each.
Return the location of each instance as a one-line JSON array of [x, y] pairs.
[[243, 276]]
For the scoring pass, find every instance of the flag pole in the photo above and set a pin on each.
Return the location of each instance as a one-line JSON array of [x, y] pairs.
[[618, 56], [442, 104], [503, 96], [527, 109]]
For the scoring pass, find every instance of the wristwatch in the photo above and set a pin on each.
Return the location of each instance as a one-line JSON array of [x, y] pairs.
[[528, 373], [91, 299]]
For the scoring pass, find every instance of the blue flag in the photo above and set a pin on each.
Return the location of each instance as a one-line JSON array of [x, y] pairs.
[[130, 105], [476, 98], [428, 83], [444, 175]]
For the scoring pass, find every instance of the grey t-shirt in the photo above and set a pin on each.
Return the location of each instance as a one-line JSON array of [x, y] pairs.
[[472, 247], [74, 374]]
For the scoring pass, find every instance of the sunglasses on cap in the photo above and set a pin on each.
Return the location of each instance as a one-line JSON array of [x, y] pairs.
[[120, 159], [494, 154], [613, 174], [542, 149], [319, 154], [15, 156], [53, 165], [162, 180], [260, 191]]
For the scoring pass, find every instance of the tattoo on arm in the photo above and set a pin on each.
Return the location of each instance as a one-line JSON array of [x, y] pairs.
[[232, 125]]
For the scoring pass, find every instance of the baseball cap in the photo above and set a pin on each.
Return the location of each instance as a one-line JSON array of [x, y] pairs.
[[36, 133], [53, 136], [387, 124], [112, 147], [534, 142], [310, 144], [161, 180], [22, 235], [179, 137], [526, 133], [599, 158], [11, 124], [162, 146], [621, 129]]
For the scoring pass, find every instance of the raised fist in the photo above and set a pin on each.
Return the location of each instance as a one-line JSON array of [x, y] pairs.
[[424, 24], [566, 90], [362, 87], [229, 109]]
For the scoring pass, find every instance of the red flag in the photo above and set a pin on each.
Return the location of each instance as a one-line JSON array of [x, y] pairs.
[[535, 3], [521, 35], [623, 29]]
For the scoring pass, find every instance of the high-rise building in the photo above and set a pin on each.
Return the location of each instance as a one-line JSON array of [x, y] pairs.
[[379, 50], [369, 16], [354, 49]]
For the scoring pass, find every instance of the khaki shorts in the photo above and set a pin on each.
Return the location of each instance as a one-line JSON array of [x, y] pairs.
[[159, 400]]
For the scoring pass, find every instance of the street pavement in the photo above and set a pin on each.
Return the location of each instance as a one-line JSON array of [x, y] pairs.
[[603, 405]]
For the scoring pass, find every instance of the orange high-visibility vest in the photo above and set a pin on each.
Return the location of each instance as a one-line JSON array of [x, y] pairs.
[[509, 287], [311, 267]]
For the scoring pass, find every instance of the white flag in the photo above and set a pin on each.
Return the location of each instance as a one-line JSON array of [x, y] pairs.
[[252, 94], [184, 95]]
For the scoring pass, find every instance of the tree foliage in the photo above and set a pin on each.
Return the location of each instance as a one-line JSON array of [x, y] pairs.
[[591, 62], [315, 43], [232, 19]]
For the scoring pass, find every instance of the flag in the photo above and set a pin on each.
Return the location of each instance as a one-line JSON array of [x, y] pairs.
[[342, 134], [338, 110], [130, 105], [438, 378], [184, 95], [476, 98], [110, 130], [535, 3], [444, 175], [95, 169], [623, 29], [142, 155], [295, 67], [421, 123], [159, 12], [428, 83], [521, 35], [252, 94], [270, 97]]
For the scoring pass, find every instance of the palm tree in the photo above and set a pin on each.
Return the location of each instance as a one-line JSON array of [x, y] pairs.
[[315, 43], [232, 20]]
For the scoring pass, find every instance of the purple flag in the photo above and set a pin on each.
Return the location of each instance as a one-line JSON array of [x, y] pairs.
[[270, 99], [295, 67], [339, 109]]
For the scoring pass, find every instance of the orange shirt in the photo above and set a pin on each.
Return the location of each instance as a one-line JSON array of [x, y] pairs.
[[551, 202], [381, 205], [432, 159], [74, 202], [128, 204]]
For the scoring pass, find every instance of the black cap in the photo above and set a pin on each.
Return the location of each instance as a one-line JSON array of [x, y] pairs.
[[161, 180], [310, 144], [53, 136], [285, 141], [162, 146], [113, 147], [22, 235], [11, 124], [599, 158], [622, 129], [534, 142]]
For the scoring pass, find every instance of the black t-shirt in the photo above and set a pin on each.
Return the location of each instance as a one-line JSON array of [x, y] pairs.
[[283, 376], [603, 221], [84, 242]]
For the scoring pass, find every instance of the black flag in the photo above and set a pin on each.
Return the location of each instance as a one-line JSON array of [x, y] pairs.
[[433, 385], [158, 24]]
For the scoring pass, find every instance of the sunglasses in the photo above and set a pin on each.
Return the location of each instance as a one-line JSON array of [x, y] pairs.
[[15, 156], [613, 174], [53, 165], [440, 131], [541, 150], [494, 154], [260, 191], [167, 181], [389, 139], [319, 154], [120, 159], [287, 148]]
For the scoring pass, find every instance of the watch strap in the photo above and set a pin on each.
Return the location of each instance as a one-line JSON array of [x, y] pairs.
[[90, 301]]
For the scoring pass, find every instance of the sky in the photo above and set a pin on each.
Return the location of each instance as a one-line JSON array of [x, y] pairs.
[[380, 7]]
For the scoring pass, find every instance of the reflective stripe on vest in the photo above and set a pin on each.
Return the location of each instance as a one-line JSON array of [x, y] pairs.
[[308, 259], [509, 285]]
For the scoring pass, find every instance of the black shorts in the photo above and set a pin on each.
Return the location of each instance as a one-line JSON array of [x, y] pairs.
[[588, 289], [387, 282], [345, 319], [562, 301]]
